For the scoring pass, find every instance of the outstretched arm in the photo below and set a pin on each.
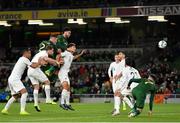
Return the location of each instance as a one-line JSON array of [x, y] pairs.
[[79, 55], [134, 80], [51, 61]]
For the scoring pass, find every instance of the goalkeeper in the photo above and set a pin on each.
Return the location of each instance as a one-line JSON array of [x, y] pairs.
[[139, 93]]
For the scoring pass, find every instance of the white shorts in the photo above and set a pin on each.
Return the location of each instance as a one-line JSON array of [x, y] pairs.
[[36, 75], [63, 77], [15, 86], [126, 91]]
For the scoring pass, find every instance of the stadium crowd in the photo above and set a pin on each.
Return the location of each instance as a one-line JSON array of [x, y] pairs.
[[91, 56], [42, 4]]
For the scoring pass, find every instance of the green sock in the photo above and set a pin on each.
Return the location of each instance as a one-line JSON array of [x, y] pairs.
[[51, 69]]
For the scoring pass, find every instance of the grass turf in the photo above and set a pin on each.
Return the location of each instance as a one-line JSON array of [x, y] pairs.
[[90, 113]]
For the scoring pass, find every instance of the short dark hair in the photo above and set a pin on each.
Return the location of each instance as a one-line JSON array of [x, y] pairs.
[[117, 53], [53, 35], [48, 47], [71, 44], [66, 29]]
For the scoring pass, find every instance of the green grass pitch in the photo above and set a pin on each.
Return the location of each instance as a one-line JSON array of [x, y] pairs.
[[90, 113]]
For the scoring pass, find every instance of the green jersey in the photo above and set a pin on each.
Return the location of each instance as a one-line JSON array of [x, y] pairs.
[[44, 44], [61, 42], [144, 87]]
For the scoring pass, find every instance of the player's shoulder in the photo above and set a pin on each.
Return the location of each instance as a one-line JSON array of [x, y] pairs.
[[60, 37], [133, 69], [42, 52], [113, 63], [69, 53], [65, 52], [23, 59], [45, 42]]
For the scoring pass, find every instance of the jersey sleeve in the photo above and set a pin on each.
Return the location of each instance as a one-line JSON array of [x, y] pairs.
[[27, 62], [63, 54], [138, 75], [109, 70], [134, 80]]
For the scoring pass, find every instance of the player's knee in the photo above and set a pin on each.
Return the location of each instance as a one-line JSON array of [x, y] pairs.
[[65, 85], [36, 86], [23, 91], [47, 82], [16, 96]]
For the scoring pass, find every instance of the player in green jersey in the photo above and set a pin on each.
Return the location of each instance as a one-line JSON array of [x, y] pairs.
[[42, 46], [52, 41], [139, 93], [62, 40], [61, 44]]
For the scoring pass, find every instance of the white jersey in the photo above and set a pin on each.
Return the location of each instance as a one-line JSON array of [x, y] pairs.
[[113, 69], [128, 73], [19, 68], [42, 53], [68, 58], [121, 67]]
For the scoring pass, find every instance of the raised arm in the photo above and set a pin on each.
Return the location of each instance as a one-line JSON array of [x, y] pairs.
[[51, 61], [110, 70], [79, 55]]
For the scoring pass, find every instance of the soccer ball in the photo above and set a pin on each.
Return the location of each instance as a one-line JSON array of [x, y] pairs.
[[162, 44]]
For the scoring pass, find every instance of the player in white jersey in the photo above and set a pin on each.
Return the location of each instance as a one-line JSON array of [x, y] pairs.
[[112, 72], [118, 74], [127, 74], [63, 75], [36, 75], [15, 84]]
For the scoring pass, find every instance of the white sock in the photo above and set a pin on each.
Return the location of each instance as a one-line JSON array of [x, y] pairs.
[[35, 93], [128, 102], [47, 92], [68, 98], [117, 103], [10, 101], [23, 101], [114, 102], [63, 96]]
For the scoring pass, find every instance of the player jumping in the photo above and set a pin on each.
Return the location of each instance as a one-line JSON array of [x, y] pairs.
[[61, 44]]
